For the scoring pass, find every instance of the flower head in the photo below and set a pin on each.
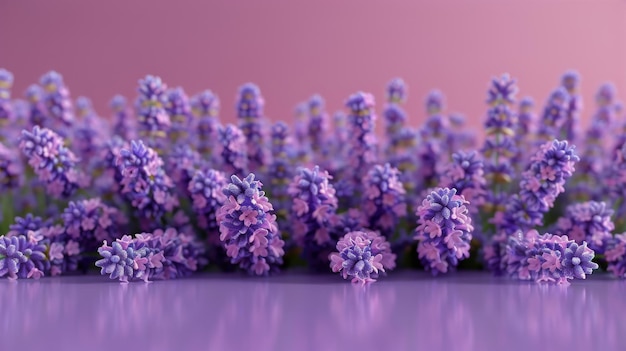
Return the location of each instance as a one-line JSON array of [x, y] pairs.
[[233, 149], [53, 163], [444, 231], [248, 228], [153, 120], [384, 198], [362, 256], [588, 222], [21, 257], [502, 90], [396, 91]]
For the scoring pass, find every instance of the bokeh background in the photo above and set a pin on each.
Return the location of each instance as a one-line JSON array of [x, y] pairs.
[[294, 48]]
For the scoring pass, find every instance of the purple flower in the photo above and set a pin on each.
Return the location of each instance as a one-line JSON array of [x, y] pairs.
[[362, 256], [11, 175], [178, 107], [555, 115], [525, 131], [444, 231], [465, 174], [206, 193], [123, 120], [616, 255], [313, 213], [605, 96], [89, 132], [570, 81], [233, 149], [181, 163], [547, 258], [590, 222], [164, 254], [89, 222], [250, 105], [396, 91], [153, 121], [206, 107], [499, 148], [6, 109], [395, 118], [502, 90], [53, 163], [26, 224], [384, 199], [22, 257], [435, 103], [37, 114], [57, 99], [121, 261], [543, 180], [318, 127], [144, 181], [362, 141], [248, 227], [280, 170]]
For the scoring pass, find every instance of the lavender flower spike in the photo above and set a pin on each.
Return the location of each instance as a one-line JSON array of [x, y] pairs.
[[57, 99], [233, 149], [123, 121], [6, 109], [502, 90], [541, 183], [570, 81], [250, 105], [206, 193], [444, 231], [205, 108], [465, 174], [22, 256], [313, 214], [248, 227], [590, 222], [318, 127], [362, 142], [178, 107], [396, 91], [362, 255], [384, 198], [89, 222], [616, 255], [10, 168], [153, 120], [37, 115], [53, 163], [547, 258], [144, 181]]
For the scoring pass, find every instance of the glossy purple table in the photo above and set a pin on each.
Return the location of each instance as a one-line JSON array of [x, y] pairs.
[[406, 311]]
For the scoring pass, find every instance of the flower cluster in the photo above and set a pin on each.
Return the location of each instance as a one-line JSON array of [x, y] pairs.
[[543, 180], [123, 122], [178, 107], [22, 256], [499, 148], [144, 181], [53, 163], [555, 115], [248, 227], [547, 258], [588, 221], [6, 110], [570, 81], [396, 91], [152, 118], [313, 213], [384, 200], [465, 174], [205, 108], [444, 231], [280, 169], [57, 99], [89, 222], [317, 128], [37, 115], [233, 149], [10, 169], [362, 142], [616, 255], [250, 105], [206, 193], [362, 256], [161, 255]]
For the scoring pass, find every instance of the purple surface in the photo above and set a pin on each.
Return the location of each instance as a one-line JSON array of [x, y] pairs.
[[408, 311]]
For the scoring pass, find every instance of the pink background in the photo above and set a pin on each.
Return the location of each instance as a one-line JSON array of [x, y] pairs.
[[293, 49]]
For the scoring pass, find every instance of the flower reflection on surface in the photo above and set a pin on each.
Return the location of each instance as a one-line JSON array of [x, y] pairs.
[[408, 311]]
